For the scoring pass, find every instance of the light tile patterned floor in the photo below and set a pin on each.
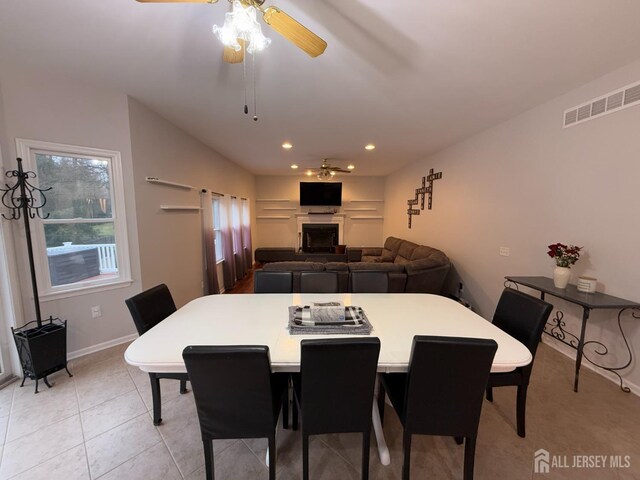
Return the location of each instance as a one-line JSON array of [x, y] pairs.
[[98, 425]]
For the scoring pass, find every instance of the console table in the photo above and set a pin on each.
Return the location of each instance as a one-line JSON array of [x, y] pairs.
[[588, 302]]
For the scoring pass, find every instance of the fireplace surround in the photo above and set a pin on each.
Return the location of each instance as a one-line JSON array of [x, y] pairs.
[[320, 237], [312, 219]]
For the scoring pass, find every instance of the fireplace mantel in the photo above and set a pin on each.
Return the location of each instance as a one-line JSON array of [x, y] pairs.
[[337, 218]]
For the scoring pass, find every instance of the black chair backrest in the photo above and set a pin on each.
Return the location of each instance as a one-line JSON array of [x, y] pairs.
[[272, 282], [523, 317], [232, 389], [446, 383], [318, 282], [368, 281], [150, 307], [337, 380]]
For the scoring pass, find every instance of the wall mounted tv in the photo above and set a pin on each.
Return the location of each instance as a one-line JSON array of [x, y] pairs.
[[321, 194]]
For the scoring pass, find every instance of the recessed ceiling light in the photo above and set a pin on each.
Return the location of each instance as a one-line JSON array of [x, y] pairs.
[[370, 146], [287, 146], [351, 167], [294, 166]]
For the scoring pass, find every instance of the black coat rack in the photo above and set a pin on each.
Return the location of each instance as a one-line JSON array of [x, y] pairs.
[[42, 348]]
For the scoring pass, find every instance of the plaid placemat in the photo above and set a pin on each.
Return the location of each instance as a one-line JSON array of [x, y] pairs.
[[355, 323]]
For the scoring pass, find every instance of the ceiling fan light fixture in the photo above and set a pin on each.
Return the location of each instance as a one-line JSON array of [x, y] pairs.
[[241, 23]]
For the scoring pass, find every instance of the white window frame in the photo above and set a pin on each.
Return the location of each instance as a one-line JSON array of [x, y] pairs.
[[26, 150]]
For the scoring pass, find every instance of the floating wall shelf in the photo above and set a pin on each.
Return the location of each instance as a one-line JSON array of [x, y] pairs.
[[179, 207], [167, 183]]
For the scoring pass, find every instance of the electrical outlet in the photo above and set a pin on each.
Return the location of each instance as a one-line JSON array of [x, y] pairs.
[[96, 311], [504, 251]]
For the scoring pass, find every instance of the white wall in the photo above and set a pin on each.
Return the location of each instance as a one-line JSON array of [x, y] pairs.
[[170, 241], [283, 232], [528, 183], [40, 106]]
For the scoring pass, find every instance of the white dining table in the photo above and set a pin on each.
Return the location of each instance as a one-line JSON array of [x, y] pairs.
[[262, 319]]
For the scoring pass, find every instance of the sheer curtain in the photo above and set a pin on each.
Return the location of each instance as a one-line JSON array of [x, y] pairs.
[[226, 227], [238, 247], [246, 234], [208, 244]]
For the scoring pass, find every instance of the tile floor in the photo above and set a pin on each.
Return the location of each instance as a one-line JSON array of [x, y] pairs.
[[98, 425]]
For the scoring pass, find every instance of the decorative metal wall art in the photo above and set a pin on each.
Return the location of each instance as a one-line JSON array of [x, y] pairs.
[[422, 191]]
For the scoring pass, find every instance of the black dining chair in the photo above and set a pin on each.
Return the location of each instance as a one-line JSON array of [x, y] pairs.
[[523, 317], [334, 390], [236, 395], [368, 281], [272, 282], [442, 392], [318, 282], [148, 309]]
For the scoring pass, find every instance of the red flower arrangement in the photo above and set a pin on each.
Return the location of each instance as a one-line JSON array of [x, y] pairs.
[[564, 255]]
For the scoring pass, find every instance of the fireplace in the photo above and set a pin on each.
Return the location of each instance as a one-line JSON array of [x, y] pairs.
[[320, 237]]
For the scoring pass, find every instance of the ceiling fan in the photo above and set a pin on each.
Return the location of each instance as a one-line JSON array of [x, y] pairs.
[[282, 23], [326, 171]]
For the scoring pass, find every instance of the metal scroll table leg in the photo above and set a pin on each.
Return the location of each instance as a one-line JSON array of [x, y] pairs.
[[585, 317]]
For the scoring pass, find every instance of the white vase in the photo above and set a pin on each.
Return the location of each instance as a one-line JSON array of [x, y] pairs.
[[561, 276]]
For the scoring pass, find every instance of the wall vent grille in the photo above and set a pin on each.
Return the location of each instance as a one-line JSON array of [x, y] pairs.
[[620, 99]]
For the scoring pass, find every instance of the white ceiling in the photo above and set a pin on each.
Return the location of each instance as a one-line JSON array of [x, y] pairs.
[[411, 76]]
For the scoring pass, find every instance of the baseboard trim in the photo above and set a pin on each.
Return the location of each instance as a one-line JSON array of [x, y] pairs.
[[101, 346], [635, 389]]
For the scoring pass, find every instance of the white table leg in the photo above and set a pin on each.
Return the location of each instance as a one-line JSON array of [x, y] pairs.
[[383, 450]]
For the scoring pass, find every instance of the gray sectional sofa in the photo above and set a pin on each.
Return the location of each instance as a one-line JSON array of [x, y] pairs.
[[412, 268]]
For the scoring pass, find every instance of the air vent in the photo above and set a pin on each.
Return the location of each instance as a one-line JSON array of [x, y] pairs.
[[612, 102]]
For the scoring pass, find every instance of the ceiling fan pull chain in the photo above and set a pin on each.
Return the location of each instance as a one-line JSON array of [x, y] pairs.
[[244, 77], [255, 97]]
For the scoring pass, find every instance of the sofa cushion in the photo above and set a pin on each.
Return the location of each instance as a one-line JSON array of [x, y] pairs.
[[423, 264], [372, 252], [336, 266], [370, 259], [294, 266], [429, 252], [387, 255], [385, 267], [393, 244], [406, 249]]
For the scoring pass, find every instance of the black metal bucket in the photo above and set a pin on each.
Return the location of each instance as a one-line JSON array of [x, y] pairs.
[[42, 350]]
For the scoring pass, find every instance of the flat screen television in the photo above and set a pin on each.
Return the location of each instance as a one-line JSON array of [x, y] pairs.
[[321, 194]]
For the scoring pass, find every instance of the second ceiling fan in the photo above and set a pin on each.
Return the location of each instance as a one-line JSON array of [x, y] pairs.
[[281, 22]]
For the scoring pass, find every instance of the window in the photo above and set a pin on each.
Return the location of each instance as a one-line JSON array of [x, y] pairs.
[[82, 244], [217, 229]]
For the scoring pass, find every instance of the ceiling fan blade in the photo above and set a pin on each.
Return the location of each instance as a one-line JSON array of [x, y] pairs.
[[340, 170], [229, 55], [294, 31], [177, 1]]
